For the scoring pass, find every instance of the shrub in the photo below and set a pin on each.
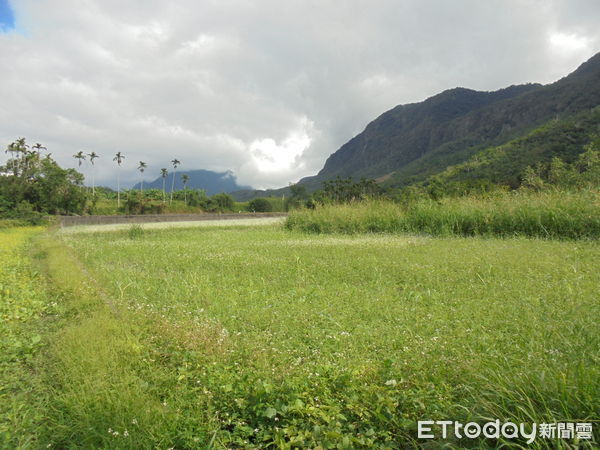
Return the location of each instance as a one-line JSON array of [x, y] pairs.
[[260, 205]]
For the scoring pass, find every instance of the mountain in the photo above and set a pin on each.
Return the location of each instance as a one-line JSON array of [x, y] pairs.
[[411, 142], [505, 164], [211, 182]]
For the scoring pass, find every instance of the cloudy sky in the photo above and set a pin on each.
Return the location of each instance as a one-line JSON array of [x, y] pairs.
[[268, 88]]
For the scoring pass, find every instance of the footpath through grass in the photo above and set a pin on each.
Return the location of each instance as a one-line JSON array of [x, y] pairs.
[[251, 337]]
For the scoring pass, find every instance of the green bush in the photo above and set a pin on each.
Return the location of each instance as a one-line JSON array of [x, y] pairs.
[[260, 205], [220, 203]]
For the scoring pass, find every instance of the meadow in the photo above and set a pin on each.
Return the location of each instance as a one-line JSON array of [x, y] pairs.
[[257, 336]]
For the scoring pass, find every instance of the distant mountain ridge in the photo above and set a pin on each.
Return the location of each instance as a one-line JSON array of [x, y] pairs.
[[411, 142], [211, 182]]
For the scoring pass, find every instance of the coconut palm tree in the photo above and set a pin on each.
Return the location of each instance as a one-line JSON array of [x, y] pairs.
[[175, 163], [92, 156], [185, 178], [163, 174], [141, 168], [119, 159]]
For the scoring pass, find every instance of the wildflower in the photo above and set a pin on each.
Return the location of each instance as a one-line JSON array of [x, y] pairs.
[[134, 421], [125, 433]]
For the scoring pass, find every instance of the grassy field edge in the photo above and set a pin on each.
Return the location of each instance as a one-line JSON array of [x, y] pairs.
[[550, 215]]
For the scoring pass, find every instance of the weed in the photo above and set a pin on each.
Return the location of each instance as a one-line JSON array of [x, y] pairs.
[[135, 231]]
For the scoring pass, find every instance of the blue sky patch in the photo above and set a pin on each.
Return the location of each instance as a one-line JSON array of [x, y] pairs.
[[7, 19]]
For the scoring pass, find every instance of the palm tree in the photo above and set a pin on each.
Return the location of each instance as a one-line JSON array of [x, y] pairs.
[[119, 159], [38, 148], [175, 163], [93, 156], [185, 178], [163, 174], [16, 149], [80, 157], [141, 168], [20, 147], [37, 151]]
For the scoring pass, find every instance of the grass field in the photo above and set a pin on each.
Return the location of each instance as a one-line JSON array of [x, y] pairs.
[[251, 336], [243, 336]]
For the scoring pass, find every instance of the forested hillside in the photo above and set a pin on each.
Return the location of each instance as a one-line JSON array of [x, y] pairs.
[[412, 142]]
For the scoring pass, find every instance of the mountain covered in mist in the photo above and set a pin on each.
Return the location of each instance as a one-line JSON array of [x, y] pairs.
[[211, 182]]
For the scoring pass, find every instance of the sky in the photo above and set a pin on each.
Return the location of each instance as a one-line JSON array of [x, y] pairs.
[[267, 89], [7, 20]]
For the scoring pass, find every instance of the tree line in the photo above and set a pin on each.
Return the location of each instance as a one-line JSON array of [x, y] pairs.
[[142, 166], [33, 185]]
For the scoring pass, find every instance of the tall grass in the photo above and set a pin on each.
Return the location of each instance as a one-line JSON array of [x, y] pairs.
[[23, 304], [552, 214], [262, 338]]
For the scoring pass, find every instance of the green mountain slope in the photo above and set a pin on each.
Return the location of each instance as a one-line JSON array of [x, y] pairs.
[[505, 164], [412, 142]]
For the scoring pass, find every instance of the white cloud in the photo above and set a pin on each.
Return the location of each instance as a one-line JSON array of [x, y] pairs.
[[265, 88]]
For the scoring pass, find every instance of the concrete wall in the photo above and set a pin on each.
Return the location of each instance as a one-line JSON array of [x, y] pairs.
[[69, 221]]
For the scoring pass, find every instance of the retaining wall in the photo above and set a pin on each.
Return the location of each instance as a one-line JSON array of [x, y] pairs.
[[69, 221]]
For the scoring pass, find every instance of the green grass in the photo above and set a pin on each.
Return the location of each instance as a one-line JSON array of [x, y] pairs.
[[23, 304], [553, 214], [258, 336]]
